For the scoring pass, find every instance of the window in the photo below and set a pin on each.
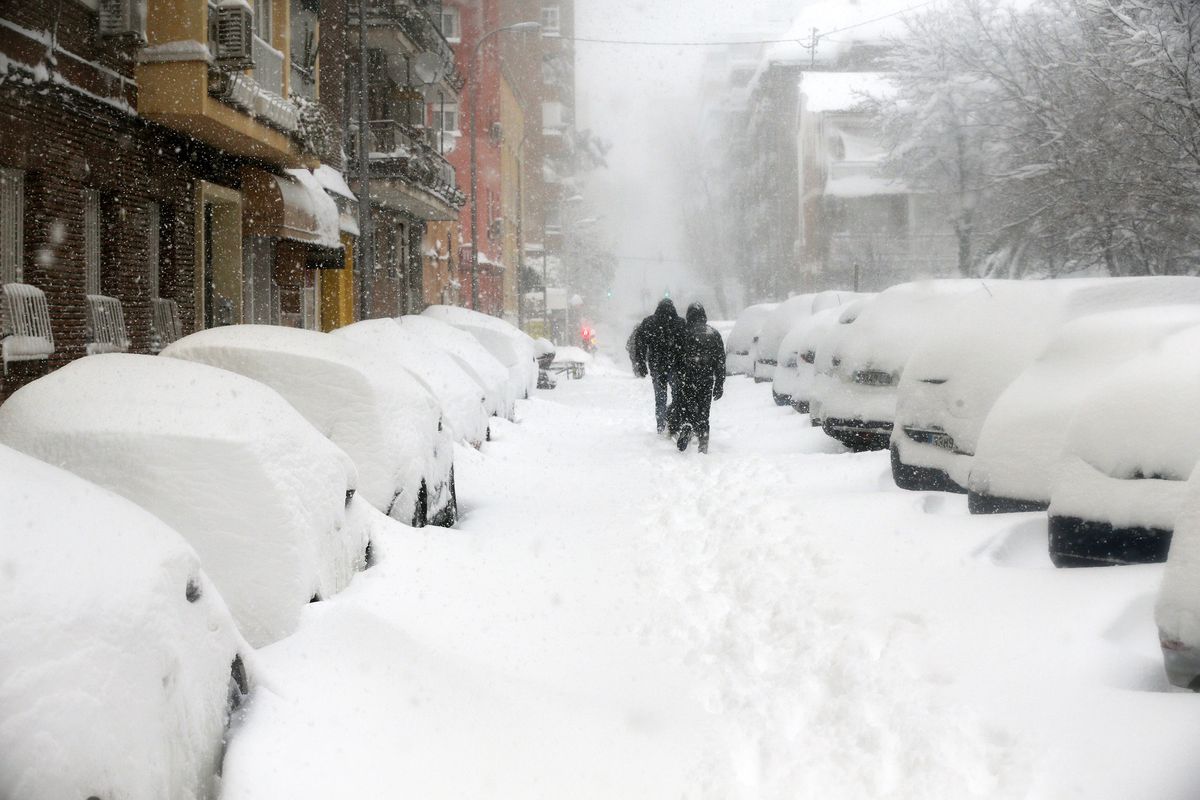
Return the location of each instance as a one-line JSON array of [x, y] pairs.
[[550, 20], [262, 20], [91, 241], [12, 224], [445, 117], [450, 25]]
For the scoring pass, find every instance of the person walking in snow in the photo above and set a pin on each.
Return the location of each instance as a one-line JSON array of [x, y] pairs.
[[654, 349], [700, 373]]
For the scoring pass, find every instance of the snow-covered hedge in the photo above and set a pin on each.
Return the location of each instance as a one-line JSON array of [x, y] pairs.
[[460, 396], [116, 651], [1022, 438], [375, 411], [224, 460]]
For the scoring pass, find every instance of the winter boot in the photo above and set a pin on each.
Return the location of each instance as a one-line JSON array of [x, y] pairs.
[[685, 436]]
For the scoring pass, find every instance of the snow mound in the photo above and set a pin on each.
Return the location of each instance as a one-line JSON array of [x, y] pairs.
[[224, 460], [577, 355], [1022, 438], [471, 356], [1134, 440], [380, 415], [511, 346], [460, 396], [117, 650]]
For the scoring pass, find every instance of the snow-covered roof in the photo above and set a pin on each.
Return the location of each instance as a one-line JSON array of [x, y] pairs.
[[333, 182], [382, 417], [102, 603], [221, 458], [842, 91]]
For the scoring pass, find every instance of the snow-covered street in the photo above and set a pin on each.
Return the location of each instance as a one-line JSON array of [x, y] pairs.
[[614, 619]]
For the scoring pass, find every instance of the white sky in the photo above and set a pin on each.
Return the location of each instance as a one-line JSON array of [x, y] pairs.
[[639, 98]]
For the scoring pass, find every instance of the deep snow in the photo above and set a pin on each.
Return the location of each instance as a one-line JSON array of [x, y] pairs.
[[613, 618]]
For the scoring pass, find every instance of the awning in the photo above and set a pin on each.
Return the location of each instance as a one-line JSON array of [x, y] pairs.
[[292, 206], [333, 182]]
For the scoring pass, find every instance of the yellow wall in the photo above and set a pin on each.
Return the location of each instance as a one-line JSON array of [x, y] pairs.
[[337, 291]]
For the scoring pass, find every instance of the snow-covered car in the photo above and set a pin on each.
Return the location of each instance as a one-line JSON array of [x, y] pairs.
[[264, 499], [1129, 450], [795, 370], [511, 346], [820, 344], [379, 414], [119, 662], [858, 407], [1022, 438], [472, 357], [786, 316], [952, 380], [1177, 611], [741, 343], [460, 396]]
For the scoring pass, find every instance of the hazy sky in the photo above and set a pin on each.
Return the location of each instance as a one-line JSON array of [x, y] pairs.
[[640, 99]]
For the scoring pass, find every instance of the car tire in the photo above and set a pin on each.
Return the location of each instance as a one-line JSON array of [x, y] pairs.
[[421, 509]]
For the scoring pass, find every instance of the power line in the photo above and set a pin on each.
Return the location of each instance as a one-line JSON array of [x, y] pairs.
[[820, 35]]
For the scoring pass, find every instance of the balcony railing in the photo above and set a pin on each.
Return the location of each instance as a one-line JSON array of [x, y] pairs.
[[303, 84], [408, 153], [268, 66], [418, 25]]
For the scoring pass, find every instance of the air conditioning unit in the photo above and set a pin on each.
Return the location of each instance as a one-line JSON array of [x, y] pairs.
[[123, 19], [235, 35]]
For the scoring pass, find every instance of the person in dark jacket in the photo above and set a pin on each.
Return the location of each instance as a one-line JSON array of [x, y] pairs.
[[654, 348], [700, 371]]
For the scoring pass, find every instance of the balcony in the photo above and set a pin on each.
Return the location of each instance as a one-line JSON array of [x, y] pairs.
[[241, 111], [411, 18], [401, 155]]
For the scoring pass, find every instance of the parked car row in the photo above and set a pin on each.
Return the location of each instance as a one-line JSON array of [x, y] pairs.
[[1075, 397], [206, 495]]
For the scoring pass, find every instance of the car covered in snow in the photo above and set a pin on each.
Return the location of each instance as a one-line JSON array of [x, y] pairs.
[[460, 396], [511, 346], [859, 406], [379, 414], [741, 345], [780, 322], [473, 357], [1129, 450], [820, 344], [119, 662], [1022, 439], [952, 380], [265, 500], [1177, 611], [796, 367]]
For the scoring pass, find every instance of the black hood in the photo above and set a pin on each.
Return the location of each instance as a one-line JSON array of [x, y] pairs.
[[696, 314], [666, 308]]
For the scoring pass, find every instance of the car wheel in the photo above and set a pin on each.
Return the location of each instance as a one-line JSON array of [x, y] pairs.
[[421, 509]]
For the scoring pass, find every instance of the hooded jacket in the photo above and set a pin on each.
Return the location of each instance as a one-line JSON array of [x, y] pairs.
[[656, 340], [701, 350]]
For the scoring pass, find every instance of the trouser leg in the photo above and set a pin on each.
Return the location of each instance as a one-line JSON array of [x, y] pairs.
[[660, 400]]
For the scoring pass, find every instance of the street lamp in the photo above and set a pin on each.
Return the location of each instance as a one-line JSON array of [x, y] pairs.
[[474, 107]]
